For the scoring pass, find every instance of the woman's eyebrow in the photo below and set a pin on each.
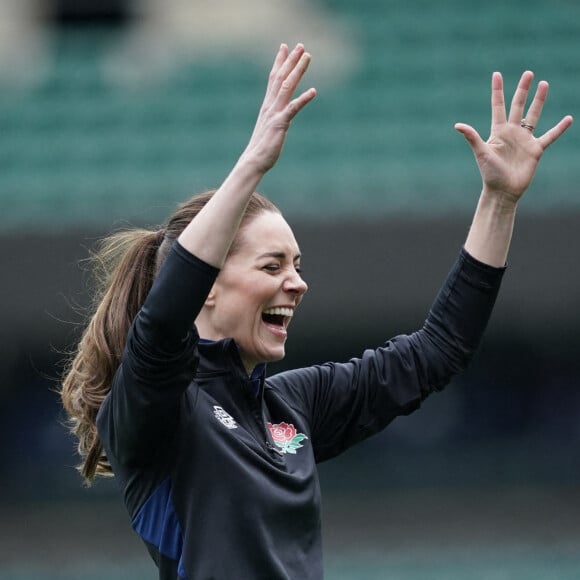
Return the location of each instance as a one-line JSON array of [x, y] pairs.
[[279, 255]]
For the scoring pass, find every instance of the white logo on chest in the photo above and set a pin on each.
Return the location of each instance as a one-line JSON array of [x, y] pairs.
[[224, 418]]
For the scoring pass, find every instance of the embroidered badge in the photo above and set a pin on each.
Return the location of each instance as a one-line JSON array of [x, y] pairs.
[[224, 418], [286, 438]]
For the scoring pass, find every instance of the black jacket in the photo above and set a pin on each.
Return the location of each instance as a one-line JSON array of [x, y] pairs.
[[222, 484]]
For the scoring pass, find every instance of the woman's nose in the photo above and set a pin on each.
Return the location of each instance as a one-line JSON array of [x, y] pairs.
[[295, 284]]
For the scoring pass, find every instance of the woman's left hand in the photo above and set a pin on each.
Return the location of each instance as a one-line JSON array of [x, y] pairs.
[[507, 161]]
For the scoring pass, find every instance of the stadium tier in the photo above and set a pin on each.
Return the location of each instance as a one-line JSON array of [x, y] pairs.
[[79, 147]]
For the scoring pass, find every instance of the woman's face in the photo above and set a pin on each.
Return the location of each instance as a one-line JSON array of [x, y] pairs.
[[257, 291]]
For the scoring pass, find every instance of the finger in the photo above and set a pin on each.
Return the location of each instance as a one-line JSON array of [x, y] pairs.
[[281, 56], [555, 132], [297, 104], [533, 115], [471, 135], [520, 96], [498, 116]]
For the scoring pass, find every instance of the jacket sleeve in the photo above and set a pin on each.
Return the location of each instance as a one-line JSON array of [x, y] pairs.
[[159, 362], [347, 402]]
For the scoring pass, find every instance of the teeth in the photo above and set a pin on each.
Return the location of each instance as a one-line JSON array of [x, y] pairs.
[[280, 311]]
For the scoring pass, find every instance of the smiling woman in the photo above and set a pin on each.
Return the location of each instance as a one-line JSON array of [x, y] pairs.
[[168, 389]]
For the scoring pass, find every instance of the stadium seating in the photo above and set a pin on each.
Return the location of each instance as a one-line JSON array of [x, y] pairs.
[[78, 150]]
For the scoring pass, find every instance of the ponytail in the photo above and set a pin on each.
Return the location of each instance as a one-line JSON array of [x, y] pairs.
[[124, 268]]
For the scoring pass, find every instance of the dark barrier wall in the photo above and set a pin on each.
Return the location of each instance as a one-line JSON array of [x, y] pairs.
[[367, 279]]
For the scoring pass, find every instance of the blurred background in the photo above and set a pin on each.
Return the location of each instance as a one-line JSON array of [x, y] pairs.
[[112, 111]]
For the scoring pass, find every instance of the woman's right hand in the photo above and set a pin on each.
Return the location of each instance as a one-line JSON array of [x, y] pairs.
[[279, 107]]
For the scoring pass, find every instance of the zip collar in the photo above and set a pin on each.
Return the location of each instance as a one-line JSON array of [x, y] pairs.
[[217, 356]]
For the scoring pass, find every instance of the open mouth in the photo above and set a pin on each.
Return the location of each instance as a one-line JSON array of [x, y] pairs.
[[278, 317]]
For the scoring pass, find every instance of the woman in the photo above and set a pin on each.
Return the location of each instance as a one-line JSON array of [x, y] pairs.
[[168, 391]]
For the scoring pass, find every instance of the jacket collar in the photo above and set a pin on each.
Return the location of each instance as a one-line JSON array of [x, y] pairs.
[[221, 356]]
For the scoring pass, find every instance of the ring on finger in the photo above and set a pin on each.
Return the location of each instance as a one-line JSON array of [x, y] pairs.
[[526, 125]]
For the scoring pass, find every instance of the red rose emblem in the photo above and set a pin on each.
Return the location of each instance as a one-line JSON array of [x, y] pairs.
[[286, 438], [282, 432]]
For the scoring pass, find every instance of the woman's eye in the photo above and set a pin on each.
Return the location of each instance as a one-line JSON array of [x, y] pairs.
[[271, 268]]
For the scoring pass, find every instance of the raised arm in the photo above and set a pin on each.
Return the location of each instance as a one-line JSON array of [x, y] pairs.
[[507, 162], [211, 233]]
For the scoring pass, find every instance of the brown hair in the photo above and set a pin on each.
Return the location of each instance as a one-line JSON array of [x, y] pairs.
[[124, 266]]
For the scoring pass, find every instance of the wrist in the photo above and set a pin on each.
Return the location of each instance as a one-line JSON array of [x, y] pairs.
[[501, 202], [248, 165], [244, 177]]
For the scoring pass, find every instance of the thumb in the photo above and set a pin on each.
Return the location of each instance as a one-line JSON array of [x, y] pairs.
[[471, 136]]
